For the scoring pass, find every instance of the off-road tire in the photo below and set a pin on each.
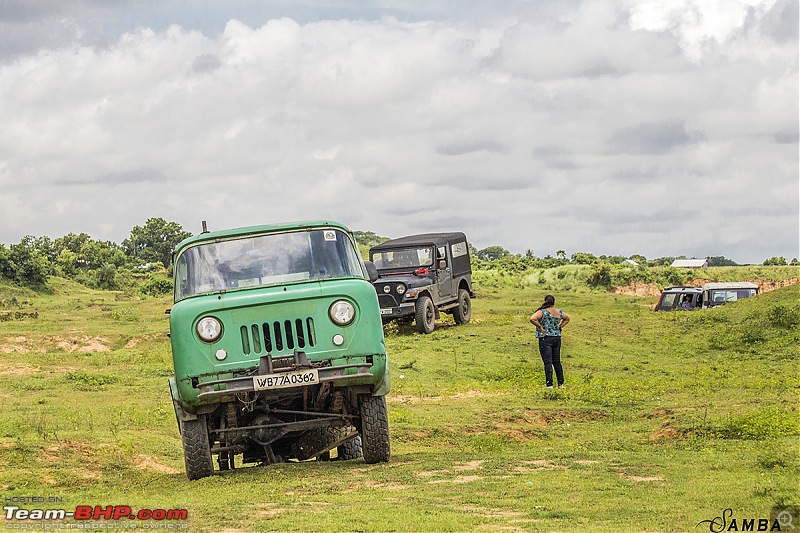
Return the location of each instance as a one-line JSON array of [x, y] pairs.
[[374, 428], [425, 316], [463, 312], [350, 450], [196, 448]]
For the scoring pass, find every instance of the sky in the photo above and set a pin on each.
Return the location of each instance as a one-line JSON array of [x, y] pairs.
[[616, 127]]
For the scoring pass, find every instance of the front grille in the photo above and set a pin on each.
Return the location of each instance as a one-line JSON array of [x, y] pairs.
[[278, 336], [387, 300]]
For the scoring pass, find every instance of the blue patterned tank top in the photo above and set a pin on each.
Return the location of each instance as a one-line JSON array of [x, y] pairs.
[[550, 323]]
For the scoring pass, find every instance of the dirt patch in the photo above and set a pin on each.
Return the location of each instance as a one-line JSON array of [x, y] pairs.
[[145, 462], [473, 394], [649, 289], [375, 485], [764, 285], [141, 339], [539, 465], [82, 344], [472, 465], [638, 289], [17, 369], [457, 479]]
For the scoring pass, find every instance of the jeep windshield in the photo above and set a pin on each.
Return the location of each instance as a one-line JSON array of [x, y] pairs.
[[403, 258], [261, 260]]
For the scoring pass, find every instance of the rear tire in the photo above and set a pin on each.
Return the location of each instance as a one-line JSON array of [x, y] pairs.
[[350, 450], [463, 312], [196, 448], [425, 316], [374, 428]]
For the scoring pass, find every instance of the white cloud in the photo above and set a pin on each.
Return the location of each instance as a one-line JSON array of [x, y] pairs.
[[608, 127]]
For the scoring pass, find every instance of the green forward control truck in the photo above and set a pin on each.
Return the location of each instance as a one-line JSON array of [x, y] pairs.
[[278, 348]]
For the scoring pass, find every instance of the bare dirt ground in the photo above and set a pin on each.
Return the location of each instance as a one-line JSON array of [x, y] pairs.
[[648, 289]]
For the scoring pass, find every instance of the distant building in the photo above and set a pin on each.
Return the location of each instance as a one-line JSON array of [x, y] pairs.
[[690, 263], [630, 262]]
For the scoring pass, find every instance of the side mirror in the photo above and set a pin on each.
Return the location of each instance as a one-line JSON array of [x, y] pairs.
[[372, 271]]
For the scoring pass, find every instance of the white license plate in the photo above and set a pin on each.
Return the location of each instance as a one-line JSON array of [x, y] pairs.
[[386, 311], [300, 378]]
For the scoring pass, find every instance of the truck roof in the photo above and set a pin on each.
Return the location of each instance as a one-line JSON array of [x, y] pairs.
[[422, 239], [730, 285], [254, 230]]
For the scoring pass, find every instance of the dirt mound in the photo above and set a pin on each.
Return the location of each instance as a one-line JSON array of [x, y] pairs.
[[649, 289]]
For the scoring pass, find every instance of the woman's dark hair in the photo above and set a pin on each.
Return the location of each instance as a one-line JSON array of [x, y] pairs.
[[549, 301]]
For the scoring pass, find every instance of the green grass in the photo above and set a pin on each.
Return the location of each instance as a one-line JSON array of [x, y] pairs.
[[667, 419]]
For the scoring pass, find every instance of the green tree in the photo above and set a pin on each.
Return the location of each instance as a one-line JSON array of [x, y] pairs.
[[154, 241], [493, 253], [368, 238], [720, 260], [582, 258], [23, 265], [776, 261]]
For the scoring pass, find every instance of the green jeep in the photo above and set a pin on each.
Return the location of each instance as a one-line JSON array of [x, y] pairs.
[[278, 348]]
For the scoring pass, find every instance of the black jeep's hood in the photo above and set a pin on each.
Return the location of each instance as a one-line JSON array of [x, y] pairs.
[[409, 280]]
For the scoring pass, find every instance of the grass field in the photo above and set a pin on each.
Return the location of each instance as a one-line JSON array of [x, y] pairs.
[[666, 420]]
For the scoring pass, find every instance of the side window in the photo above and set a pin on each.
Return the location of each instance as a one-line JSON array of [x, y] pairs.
[[441, 257]]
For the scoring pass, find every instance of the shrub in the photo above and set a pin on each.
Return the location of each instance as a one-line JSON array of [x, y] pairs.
[[157, 286], [600, 277]]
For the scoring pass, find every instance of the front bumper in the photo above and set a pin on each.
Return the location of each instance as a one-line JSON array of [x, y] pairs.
[[404, 309], [370, 376]]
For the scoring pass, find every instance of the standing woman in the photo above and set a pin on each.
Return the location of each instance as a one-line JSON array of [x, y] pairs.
[[549, 321]]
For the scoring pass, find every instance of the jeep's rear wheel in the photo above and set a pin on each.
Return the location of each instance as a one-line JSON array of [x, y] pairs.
[[374, 428], [196, 448], [463, 312], [350, 449], [425, 316]]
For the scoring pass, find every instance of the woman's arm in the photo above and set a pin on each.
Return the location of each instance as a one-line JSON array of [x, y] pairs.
[[564, 319], [534, 319]]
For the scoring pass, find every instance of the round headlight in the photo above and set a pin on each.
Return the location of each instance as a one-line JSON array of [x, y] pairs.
[[342, 312], [386, 289], [209, 329], [401, 289]]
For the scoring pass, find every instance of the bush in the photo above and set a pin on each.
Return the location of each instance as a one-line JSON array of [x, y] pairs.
[[156, 286], [784, 316], [600, 277]]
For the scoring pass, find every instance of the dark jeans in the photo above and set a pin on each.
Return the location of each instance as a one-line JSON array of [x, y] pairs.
[[550, 349]]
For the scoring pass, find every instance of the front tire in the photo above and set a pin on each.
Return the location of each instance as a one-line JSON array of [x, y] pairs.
[[374, 428], [463, 312], [350, 450], [425, 316], [196, 448]]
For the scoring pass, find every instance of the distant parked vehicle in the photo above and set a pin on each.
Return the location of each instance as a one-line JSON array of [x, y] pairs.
[[720, 293], [421, 275], [680, 298]]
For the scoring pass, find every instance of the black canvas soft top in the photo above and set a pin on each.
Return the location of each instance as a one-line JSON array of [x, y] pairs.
[[422, 239]]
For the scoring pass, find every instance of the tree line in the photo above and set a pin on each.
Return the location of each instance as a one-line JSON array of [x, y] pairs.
[[148, 250], [92, 262]]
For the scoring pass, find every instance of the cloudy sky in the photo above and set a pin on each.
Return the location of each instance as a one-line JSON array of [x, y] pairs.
[[658, 127]]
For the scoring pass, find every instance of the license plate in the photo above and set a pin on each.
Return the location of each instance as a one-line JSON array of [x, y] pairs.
[[300, 378], [386, 311]]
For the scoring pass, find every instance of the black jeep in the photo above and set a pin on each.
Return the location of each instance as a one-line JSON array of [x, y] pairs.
[[421, 275]]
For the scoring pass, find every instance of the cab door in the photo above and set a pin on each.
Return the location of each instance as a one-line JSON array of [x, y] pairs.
[[444, 276]]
